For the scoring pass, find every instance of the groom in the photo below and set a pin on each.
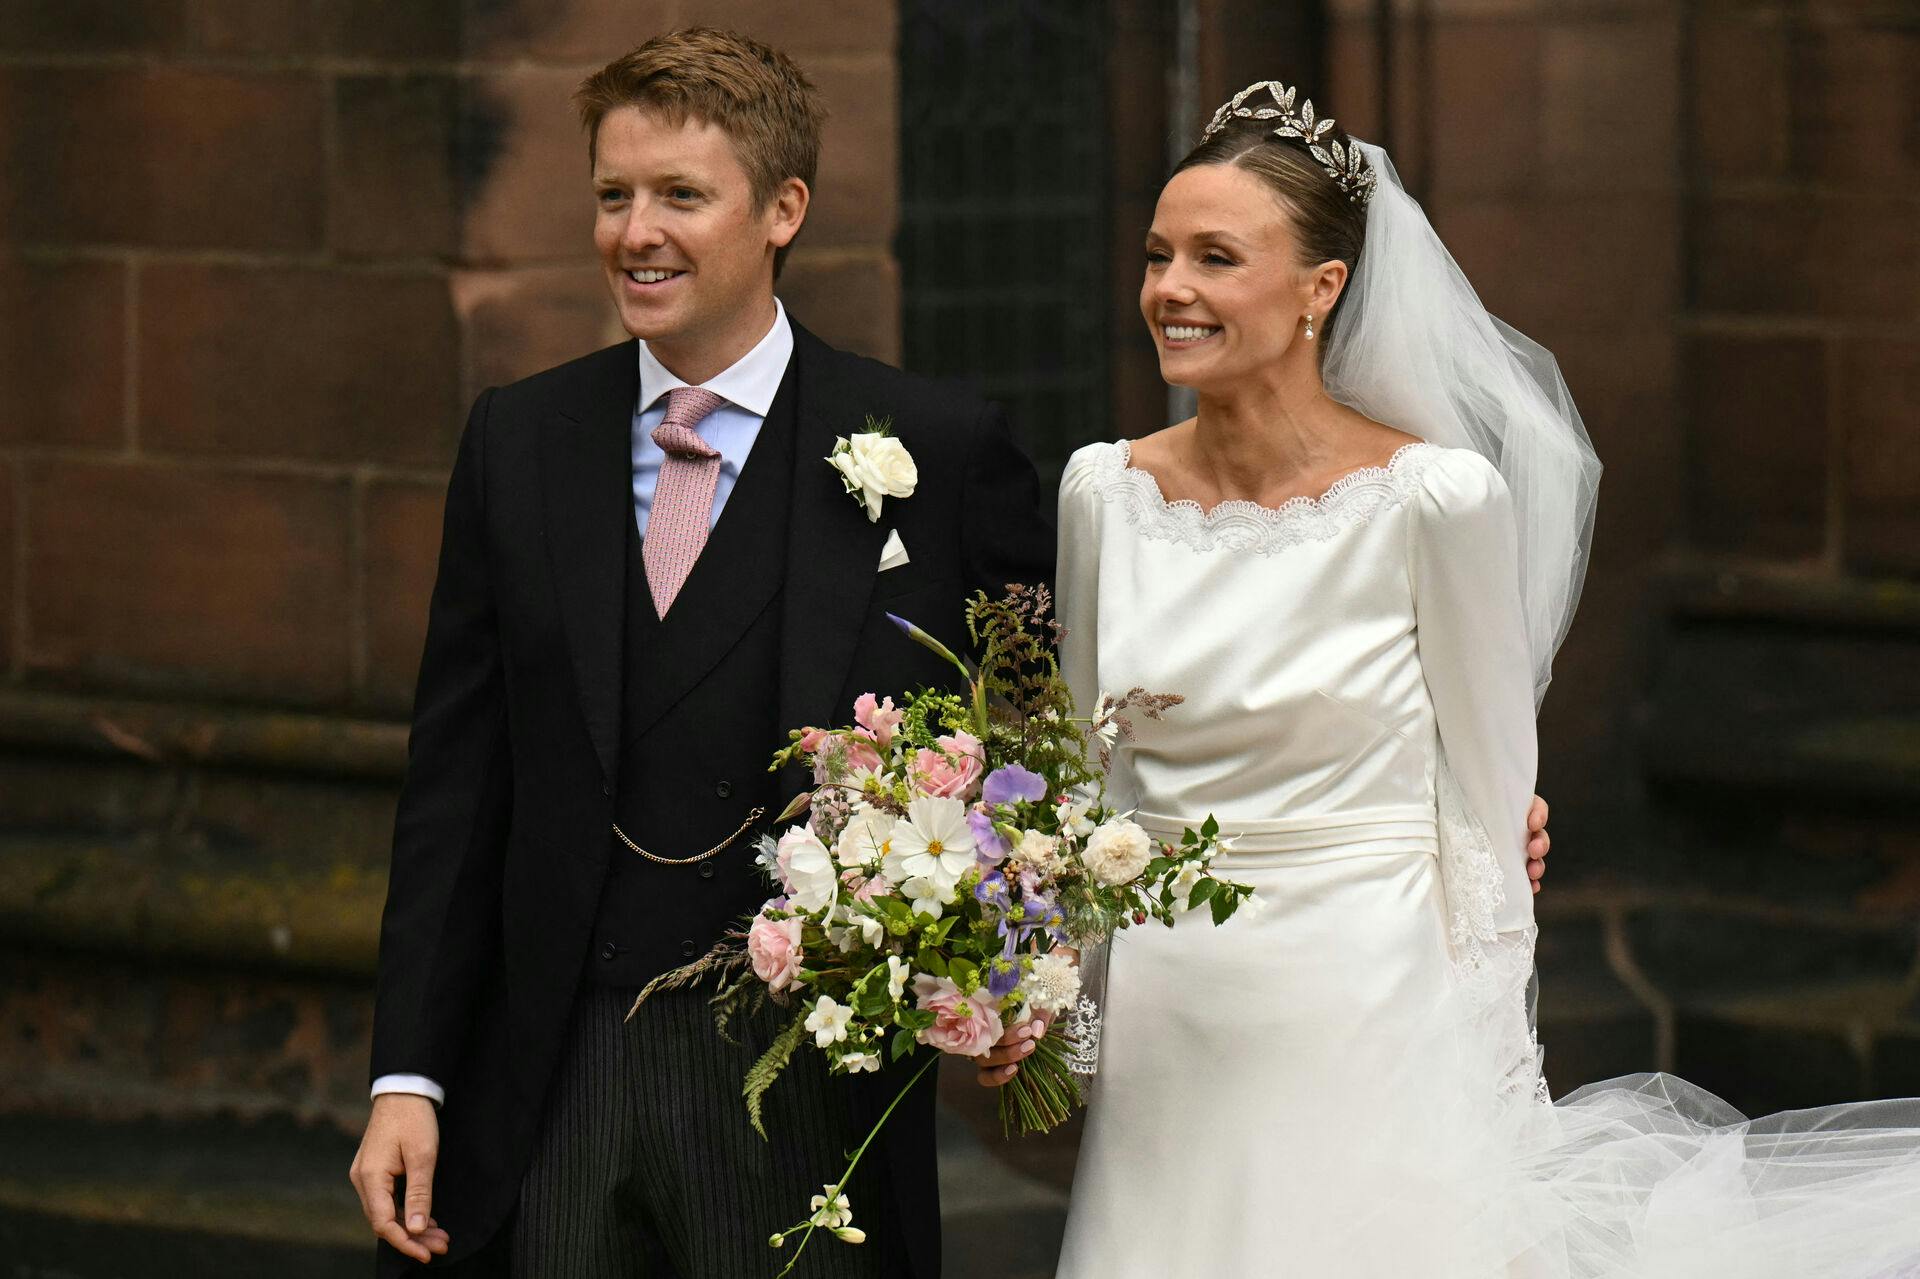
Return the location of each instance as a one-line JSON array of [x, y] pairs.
[[649, 571]]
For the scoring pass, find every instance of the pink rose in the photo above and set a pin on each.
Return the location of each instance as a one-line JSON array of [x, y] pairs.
[[880, 719], [953, 771], [965, 1026], [774, 947]]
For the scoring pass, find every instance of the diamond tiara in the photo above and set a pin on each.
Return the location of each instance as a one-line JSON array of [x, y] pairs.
[[1344, 164]]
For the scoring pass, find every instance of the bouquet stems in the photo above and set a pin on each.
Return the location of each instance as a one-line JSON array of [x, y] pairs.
[[1045, 1091]]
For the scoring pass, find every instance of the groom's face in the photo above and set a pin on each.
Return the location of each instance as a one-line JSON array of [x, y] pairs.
[[686, 248]]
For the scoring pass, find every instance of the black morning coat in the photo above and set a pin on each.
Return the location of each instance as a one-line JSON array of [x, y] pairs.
[[504, 868]]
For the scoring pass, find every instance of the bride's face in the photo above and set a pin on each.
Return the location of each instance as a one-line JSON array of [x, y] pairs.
[[1224, 288]]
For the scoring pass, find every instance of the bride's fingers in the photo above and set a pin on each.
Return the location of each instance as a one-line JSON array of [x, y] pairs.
[[996, 1077], [1004, 1054]]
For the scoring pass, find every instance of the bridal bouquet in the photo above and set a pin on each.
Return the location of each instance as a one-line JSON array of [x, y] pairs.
[[956, 852]]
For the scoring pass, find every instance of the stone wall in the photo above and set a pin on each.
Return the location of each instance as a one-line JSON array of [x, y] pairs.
[[1710, 211], [255, 261]]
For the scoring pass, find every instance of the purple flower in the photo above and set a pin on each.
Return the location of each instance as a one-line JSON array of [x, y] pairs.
[[1011, 784], [1003, 975], [992, 890], [988, 846]]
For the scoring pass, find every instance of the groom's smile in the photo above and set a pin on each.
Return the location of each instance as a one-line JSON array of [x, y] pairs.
[[686, 243]]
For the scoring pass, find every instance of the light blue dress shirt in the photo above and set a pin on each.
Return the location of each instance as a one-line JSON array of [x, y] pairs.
[[748, 386]]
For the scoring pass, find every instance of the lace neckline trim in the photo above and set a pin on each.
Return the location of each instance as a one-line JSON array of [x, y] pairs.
[[1239, 524]]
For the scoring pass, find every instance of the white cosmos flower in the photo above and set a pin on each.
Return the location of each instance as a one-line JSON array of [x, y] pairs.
[[1073, 814], [934, 842], [1106, 725], [864, 840], [927, 897], [828, 1021]]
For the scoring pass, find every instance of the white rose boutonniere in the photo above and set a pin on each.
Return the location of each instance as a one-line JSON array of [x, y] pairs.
[[874, 466]]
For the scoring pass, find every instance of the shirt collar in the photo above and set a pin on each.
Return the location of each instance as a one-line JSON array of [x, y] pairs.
[[750, 382]]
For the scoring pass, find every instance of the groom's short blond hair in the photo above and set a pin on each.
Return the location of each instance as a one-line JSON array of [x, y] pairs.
[[752, 92]]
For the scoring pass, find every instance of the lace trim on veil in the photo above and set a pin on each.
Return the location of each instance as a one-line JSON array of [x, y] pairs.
[[1494, 969], [1240, 525]]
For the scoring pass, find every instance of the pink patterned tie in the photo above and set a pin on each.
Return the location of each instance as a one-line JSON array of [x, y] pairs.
[[682, 496]]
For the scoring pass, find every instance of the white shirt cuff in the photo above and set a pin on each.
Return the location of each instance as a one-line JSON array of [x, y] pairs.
[[419, 1085]]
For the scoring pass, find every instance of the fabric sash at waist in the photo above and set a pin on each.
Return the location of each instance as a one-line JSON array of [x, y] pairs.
[[1300, 841]]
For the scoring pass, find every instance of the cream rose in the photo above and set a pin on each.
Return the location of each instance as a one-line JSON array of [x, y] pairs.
[[1117, 852], [874, 467]]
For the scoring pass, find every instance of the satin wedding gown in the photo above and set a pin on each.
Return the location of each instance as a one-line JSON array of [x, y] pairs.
[[1346, 1083]]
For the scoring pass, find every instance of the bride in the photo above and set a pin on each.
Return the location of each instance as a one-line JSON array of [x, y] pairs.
[[1355, 564]]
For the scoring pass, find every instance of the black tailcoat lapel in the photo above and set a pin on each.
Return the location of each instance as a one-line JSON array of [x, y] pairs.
[[833, 550], [587, 488]]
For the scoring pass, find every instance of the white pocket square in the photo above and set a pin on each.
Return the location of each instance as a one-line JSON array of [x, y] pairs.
[[894, 553]]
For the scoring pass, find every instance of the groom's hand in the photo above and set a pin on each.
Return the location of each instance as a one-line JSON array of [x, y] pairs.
[[1538, 842], [999, 1064], [403, 1138]]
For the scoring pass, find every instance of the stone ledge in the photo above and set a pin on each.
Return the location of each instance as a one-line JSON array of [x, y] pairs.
[[81, 1199], [187, 733]]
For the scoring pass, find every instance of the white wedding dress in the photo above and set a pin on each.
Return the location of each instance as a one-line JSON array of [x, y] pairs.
[[1346, 1083]]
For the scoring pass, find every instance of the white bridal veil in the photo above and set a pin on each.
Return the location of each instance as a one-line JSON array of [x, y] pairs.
[[1413, 347]]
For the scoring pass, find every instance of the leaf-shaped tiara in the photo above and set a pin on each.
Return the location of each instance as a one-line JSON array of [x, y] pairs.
[[1344, 164]]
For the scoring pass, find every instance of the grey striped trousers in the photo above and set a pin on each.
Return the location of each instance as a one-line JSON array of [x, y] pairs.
[[646, 1166]]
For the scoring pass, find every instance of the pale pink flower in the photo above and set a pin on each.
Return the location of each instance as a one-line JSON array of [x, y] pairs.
[[866, 887], [774, 947], [964, 1025], [810, 739], [879, 718], [806, 868], [953, 771]]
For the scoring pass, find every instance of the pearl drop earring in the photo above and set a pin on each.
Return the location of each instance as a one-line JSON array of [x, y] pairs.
[[1309, 326]]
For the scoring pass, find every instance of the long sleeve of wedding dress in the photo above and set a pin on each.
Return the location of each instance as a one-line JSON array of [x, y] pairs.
[[1462, 560]]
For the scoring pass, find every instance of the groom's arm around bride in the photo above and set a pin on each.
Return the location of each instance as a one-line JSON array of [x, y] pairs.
[[648, 570]]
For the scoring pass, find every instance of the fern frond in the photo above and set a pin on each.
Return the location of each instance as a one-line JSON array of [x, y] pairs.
[[768, 1069]]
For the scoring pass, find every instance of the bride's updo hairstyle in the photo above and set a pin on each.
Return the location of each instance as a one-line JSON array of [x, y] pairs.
[[1315, 169]]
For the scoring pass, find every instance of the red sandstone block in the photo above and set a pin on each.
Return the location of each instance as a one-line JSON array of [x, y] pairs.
[[1853, 104], [586, 33], [166, 157], [1880, 406], [1610, 104], [850, 300], [90, 26], [298, 362], [1806, 253], [856, 198], [402, 541], [843, 28], [188, 581], [515, 323], [1599, 262], [392, 189], [529, 191], [63, 338], [1353, 76], [385, 29], [1484, 112], [1758, 409], [9, 539], [1739, 94]]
